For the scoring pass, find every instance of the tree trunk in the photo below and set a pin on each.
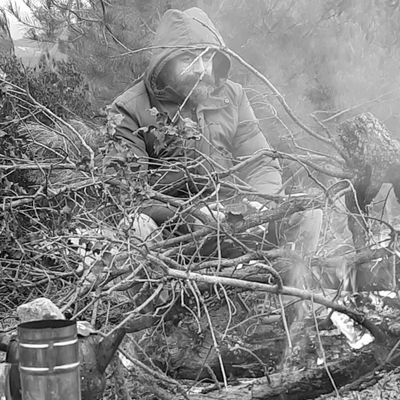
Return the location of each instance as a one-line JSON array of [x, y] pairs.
[[371, 153], [303, 384], [374, 156]]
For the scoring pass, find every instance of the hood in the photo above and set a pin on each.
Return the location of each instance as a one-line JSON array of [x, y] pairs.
[[177, 31]]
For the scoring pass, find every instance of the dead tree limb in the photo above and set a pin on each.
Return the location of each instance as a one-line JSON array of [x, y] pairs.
[[374, 156], [360, 318], [298, 385]]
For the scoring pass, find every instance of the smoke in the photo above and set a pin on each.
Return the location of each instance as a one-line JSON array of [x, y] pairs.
[[325, 57]]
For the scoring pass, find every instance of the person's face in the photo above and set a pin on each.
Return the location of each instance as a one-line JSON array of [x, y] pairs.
[[191, 74]]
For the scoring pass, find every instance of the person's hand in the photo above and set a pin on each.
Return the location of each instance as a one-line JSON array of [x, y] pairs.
[[259, 206]]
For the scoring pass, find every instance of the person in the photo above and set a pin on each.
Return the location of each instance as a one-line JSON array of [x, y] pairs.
[[187, 82]]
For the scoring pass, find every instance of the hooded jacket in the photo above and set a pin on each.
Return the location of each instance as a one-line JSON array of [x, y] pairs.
[[227, 124]]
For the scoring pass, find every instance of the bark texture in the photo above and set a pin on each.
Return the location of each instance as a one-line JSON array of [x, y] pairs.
[[374, 157], [371, 153]]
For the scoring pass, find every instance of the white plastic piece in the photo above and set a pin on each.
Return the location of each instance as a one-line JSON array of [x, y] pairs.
[[128, 364], [356, 338]]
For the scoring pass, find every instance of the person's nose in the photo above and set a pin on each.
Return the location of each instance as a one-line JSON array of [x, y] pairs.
[[198, 66], [202, 66]]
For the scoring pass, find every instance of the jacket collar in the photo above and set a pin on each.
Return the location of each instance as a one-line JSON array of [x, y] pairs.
[[218, 100]]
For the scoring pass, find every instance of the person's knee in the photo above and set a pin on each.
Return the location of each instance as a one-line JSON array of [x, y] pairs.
[[312, 218], [140, 226]]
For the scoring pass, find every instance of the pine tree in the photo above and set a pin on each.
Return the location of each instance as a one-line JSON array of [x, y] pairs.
[[6, 43]]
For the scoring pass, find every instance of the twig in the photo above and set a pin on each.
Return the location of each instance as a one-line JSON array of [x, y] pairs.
[[285, 324], [278, 95], [285, 290], [133, 313], [156, 374], [60, 120], [216, 346], [322, 350], [71, 128], [329, 170], [28, 167]]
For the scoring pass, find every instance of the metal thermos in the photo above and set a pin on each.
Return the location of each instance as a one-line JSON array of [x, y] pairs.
[[49, 360]]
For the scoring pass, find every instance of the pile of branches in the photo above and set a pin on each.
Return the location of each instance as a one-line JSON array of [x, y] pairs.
[[67, 185], [70, 195]]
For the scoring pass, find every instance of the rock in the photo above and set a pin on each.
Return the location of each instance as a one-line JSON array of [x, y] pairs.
[[394, 328], [41, 308]]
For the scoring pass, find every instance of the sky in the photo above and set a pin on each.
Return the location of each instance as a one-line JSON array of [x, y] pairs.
[[17, 29]]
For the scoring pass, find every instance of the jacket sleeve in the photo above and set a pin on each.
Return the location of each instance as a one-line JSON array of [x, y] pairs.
[[127, 127], [264, 174]]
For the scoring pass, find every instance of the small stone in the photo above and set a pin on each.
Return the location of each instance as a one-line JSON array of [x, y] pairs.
[[39, 309]]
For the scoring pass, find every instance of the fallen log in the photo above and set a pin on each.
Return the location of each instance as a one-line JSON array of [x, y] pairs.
[[303, 384]]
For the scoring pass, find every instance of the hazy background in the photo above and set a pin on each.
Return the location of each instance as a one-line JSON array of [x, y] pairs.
[[331, 59], [16, 28]]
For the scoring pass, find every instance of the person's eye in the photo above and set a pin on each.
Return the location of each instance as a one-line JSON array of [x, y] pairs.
[[187, 58]]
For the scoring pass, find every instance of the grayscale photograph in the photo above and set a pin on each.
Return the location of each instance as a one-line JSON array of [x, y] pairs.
[[199, 199]]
